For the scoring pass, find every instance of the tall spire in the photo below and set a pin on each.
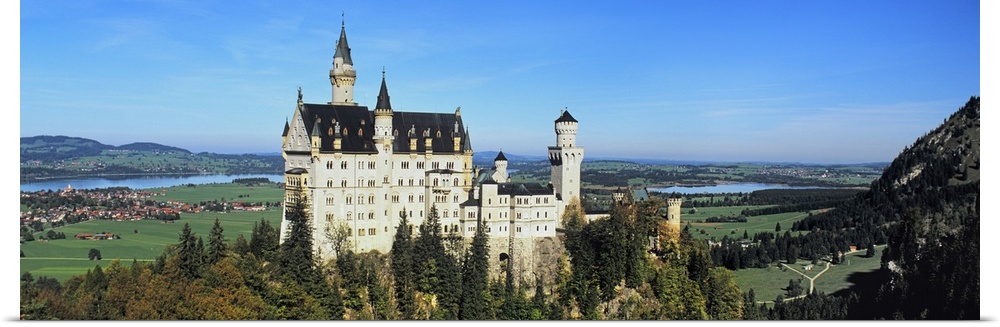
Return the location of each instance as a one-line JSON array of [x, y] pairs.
[[383, 95], [343, 50]]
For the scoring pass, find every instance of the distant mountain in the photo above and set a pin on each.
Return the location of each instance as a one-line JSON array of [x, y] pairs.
[[485, 158], [925, 206], [47, 157], [488, 156], [47, 147], [147, 146]]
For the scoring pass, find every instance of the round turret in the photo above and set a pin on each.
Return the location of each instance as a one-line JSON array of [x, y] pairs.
[[500, 166], [566, 127]]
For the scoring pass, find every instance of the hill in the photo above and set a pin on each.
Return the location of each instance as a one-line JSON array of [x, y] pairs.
[[925, 206], [153, 147], [46, 157], [47, 147]]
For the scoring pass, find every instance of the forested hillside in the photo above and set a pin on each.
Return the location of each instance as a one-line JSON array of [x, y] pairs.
[[927, 204]]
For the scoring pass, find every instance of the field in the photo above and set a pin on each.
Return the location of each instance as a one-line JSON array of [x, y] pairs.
[[768, 283], [144, 240], [229, 192], [61, 259], [754, 224]]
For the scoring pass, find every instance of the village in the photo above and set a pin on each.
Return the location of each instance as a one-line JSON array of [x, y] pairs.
[[70, 206]]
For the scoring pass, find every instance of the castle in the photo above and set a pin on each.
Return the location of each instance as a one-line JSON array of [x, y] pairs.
[[364, 169]]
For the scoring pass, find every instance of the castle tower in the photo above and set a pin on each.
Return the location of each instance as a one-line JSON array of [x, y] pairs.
[[383, 119], [618, 196], [674, 212], [566, 159], [342, 76], [500, 166]]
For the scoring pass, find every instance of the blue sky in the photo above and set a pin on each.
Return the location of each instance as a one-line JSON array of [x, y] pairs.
[[819, 82]]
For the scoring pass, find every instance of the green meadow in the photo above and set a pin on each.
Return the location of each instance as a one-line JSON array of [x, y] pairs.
[[144, 240], [754, 224], [140, 240], [768, 283], [230, 192]]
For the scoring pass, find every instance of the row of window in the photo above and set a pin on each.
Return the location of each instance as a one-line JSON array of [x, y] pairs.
[[371, 182], [361, 232], [447, 229], [521, 200], [472, 214], [330, 200], [538, 200], [404, 165], [504, 228], [350, 216]]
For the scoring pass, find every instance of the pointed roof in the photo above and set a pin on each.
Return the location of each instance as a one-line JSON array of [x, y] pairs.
[[566, 117], [285, 133], [343, 50], [383, 96], [315, 130], [466, 143], [500, 156]]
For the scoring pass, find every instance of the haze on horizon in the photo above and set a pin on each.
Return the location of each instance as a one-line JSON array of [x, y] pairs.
[[843, 82]]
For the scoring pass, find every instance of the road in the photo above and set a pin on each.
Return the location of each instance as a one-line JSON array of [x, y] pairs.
[[812, 280]]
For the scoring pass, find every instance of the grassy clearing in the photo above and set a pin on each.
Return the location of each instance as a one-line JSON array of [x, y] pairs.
[[61, 259], [754, 224], [768, 283]]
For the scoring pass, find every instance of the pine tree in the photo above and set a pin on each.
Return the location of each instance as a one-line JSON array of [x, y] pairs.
[[538, 308], [241, 246], [402, 267], [437, 272], [216, 243], [263, 239], [189, 255], [296, 259], [475, 280], [297, 262]]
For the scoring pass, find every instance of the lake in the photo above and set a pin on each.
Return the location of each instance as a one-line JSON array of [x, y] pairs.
[[726, 188], [139, 182]]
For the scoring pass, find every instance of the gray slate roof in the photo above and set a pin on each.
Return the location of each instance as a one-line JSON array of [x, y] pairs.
[[357, 126], [343, 50], [523, 189], [383, 96], [566, 117]]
